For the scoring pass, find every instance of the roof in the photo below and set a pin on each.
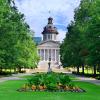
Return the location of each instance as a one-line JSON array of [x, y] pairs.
[[50, 28], [49, 44], [57, 42]]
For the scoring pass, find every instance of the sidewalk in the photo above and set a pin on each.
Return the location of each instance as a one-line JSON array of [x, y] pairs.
[[79, 78], [86, 79], [13, 77]]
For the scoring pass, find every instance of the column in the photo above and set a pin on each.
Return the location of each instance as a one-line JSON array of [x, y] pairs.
[[40, 53], [55, 55], [44, 55], [51, 54], [48, 54], [58, 55]]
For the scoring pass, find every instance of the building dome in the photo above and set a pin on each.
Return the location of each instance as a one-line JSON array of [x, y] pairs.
[[50, 28]]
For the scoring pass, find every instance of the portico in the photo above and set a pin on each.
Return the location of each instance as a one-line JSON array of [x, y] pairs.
[[46, 53]]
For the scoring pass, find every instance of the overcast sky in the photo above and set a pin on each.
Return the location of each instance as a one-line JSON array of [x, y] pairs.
[[37, 12]]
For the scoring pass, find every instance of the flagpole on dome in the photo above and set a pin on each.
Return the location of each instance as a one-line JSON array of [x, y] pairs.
[[49, 13]]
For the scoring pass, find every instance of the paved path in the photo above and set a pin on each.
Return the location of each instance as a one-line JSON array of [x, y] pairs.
[[13, 77], [90, 80], [86, 79], [80, 78]]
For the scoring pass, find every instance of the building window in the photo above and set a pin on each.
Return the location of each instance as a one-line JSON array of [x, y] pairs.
[[50, 27], [44, 37]]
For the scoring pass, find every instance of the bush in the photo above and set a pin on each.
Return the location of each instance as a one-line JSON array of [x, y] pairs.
[[34, 80], [64, 79], [51, 81], [5, 73]]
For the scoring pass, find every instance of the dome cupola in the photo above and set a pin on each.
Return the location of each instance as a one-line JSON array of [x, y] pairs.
[[50, 31], [50, 19], [50, 28]]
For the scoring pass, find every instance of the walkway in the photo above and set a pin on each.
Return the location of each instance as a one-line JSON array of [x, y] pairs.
[[86, 79], [78, 78], [13, 77]]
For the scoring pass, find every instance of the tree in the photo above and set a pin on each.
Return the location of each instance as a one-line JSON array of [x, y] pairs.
[[17, 49], [83, 46]]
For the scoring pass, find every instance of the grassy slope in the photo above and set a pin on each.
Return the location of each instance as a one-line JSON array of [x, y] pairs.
[[8, 92]]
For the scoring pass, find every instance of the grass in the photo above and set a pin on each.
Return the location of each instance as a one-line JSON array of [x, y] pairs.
[[26, 76], [8, 92]]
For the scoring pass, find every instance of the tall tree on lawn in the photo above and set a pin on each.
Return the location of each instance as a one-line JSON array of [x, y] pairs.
[[17, 49], [81, 45]]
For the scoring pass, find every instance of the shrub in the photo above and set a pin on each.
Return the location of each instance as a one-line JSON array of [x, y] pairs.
[[5, 73], [64, 79], [34, 80], [51, 82]]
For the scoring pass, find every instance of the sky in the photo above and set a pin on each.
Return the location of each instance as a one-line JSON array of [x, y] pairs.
[[37, 12]]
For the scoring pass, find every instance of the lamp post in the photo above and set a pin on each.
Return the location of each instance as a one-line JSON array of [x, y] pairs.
[[49, 64]]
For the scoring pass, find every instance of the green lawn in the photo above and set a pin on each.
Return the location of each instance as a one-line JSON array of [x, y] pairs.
[[8, 92]]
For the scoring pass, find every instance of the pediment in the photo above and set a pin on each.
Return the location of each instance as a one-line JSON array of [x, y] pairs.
[[49, 44]]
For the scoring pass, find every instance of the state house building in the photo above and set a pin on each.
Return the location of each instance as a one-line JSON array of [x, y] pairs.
[[49, 47]]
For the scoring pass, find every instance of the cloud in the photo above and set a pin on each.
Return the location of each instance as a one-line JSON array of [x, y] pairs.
[[61, 34], [37, 11]]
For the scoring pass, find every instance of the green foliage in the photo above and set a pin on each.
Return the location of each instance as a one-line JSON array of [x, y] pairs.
[[36, 79], [50, 80], [64, 79], [17, 49], [82, 43]]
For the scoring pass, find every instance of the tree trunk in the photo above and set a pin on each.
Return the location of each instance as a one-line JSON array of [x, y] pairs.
[[87, 69], [14, 70], [77, 69], [19, 69], [5, 69], [82, 68], [10, 70], [74, 69], [94, 70], [0, 69]]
